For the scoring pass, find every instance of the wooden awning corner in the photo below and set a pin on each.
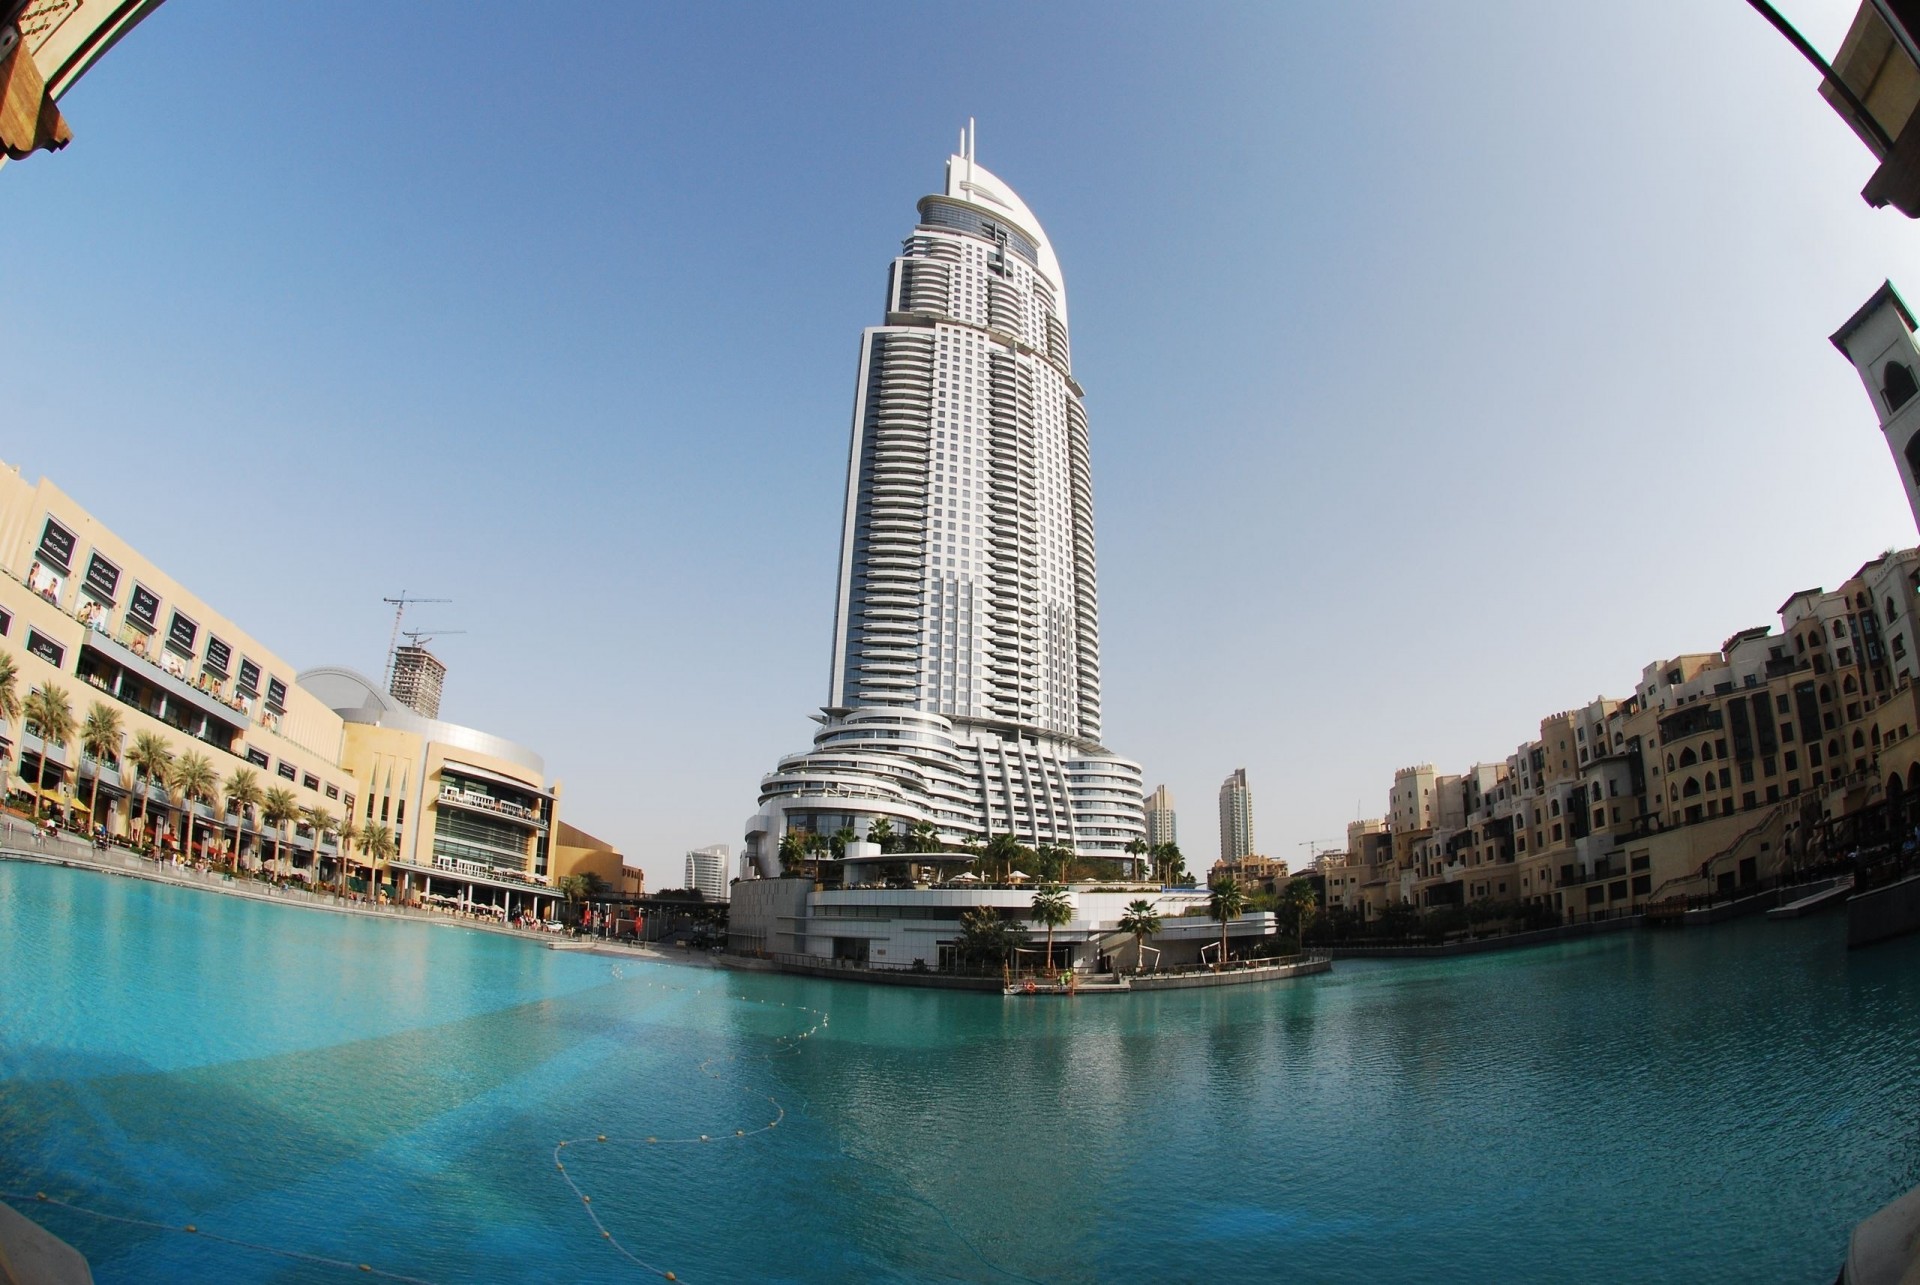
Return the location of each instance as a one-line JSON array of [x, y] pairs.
[[29, 120]]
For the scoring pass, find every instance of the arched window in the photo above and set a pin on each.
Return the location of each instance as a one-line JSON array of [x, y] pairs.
[[1839, 629], [1897, 386], [1849, 685], [1912, 452], [1669, 762], [1859, 741], [1688, 758], [1876, 736], [1553, 808], [1826, 694], [1833, 749], [1691, 788], [1889, 611]]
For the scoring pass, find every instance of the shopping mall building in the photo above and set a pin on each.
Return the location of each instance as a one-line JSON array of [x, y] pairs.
[[475, 817]]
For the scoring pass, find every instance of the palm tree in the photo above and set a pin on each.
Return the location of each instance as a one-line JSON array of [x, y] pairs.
[[1143, 921], [1002, 851], [101, 736], [1172, 864], [881, 832], [281, 809], [377, 845], [349, 835], [191, 778], [1052, 907], [1136, 848], [794, 851], [323, 823], [152, 759], [1297, 903], [9, 704], [1225, 902], [923, 837], [51, 715], [243, 795], [841, 838]]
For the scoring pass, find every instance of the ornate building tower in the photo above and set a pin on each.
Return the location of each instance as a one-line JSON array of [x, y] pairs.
[[965, 683]]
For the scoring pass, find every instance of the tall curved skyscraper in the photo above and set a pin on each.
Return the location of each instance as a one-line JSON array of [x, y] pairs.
[[965, 686]]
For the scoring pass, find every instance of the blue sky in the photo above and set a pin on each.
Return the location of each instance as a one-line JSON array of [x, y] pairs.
[[1445, 363]]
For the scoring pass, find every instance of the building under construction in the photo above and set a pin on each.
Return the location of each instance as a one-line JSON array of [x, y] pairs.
[[417, 678]]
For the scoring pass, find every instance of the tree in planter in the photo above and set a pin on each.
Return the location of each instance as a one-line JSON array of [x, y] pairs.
[[841, 838], [101, 736], [190, 779], [1169, 862], [795, 852], [1143, 921], [349, 835], [323, 823], [152, 760], [50, 714], [1001, 853], [986, 938], [377, 846], [1226, 900], [1297, 907], [243, 796], [881, 832], [1053, 908], [281, 809], [9, 706]]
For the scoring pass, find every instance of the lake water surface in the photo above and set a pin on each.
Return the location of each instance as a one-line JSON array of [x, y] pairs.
[[1707, 1105]]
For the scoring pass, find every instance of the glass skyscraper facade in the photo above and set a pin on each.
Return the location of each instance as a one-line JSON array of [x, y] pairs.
[[965, 681]]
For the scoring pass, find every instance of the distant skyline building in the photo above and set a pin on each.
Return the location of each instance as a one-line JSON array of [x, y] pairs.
[[1879, 341], [1236, 817], [964, 689], [418, 676], [707, 871], [1161, 825]]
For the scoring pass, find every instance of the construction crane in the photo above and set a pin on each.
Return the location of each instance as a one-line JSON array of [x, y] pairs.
[[421, 637], [399, 606], [1315, 847]]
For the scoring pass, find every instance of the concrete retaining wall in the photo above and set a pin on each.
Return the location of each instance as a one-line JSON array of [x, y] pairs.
[[1232, 977], [1892, 911], [1512, 941]]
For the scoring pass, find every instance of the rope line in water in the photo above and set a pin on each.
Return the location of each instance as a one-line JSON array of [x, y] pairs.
[[785, 1046], [190, 1229]]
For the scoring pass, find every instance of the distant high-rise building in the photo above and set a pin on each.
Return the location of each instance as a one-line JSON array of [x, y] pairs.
[[1160, 823], [1236, 817], [964, 692], [417, 676], [707, 871]]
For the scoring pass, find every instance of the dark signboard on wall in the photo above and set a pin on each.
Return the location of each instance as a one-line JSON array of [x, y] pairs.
[[219, 655], [102, 578], [45, 648], [276, 694], [144, 609], [249, 679], [182, 633], [56, 545]]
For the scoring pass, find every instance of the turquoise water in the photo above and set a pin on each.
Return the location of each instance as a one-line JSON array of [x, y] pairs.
[[1712, 1105]]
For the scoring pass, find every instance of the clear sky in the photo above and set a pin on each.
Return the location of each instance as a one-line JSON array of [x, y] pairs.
[[1446, 363]]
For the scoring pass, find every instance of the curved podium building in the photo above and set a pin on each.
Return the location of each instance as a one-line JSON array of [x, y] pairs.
[[965, 686]]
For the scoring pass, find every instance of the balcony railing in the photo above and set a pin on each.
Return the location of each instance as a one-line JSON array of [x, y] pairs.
[[487, 803]]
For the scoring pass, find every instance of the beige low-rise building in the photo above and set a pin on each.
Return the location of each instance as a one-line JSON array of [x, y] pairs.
[[84, 613]]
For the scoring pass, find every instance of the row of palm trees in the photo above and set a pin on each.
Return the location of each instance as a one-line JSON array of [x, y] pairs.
[[186, 779], [997, 858]]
